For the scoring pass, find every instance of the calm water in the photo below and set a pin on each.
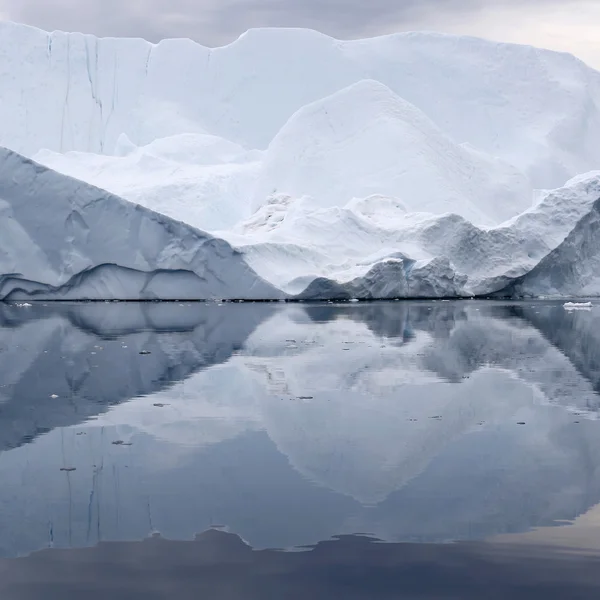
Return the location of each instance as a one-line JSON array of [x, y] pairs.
[[299, 451]]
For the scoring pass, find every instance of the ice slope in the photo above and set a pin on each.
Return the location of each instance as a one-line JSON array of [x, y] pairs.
[[572, 269], [65, 239], [200, 179], [365, 140], [537, 109]]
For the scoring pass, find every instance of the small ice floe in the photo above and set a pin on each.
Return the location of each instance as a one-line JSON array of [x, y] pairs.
[[23, 304], [577, 305]]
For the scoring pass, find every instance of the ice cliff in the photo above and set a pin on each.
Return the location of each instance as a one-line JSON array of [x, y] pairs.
[[411, 165], [537, 109]]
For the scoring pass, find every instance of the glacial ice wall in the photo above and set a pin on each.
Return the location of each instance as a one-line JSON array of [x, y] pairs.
[[537, 109]]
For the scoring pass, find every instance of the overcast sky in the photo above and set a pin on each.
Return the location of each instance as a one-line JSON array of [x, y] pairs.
[[569, 25]]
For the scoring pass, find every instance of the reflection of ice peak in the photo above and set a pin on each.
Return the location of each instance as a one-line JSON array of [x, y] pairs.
[[361, 414], [577, 336], [89, 357], [526, 351]]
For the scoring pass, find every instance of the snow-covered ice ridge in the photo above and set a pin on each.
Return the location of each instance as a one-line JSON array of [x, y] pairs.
[[410, 165]]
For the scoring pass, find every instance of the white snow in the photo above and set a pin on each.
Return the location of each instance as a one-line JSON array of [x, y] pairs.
[[199, 178], [410, 165]]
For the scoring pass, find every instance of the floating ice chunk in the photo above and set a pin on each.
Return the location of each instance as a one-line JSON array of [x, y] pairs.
[[577, 305]]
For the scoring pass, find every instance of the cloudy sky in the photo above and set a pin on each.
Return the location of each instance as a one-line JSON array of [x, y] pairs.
[[569, 25]]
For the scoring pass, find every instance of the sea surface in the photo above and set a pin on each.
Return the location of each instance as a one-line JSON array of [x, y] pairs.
[[419, 450]]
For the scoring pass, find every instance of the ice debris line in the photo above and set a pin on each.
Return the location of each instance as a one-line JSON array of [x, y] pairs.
[[292, 165]]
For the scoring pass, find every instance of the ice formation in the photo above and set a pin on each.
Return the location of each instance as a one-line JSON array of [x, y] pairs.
[[65, 239], [199, 178], [410, 165], [577, 305], [394, 150]]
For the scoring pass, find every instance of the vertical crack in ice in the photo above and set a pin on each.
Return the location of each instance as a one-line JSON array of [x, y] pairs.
[[114, 96], [148, 57], [92, 79], [67, 93]]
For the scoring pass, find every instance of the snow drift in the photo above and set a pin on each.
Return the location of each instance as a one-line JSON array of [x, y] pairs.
[[64, 239]]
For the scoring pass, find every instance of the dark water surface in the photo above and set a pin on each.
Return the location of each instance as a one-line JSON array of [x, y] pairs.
[[397, 450]]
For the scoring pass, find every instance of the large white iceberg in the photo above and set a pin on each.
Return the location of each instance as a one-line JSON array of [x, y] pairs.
[[535, 108], [411, 165]]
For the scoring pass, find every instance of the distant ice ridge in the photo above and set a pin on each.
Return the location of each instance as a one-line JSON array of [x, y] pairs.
[[362, 140], [538, 110], [64, 239]]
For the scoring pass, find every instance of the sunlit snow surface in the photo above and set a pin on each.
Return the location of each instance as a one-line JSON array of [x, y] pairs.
[[411, 165]]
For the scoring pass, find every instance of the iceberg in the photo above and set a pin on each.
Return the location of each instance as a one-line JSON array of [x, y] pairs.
[[535, 108], [370, 249], [414, 165], [64, 239], [196, 178]]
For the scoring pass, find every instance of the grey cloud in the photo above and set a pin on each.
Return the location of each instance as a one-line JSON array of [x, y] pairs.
[[214, 22]]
